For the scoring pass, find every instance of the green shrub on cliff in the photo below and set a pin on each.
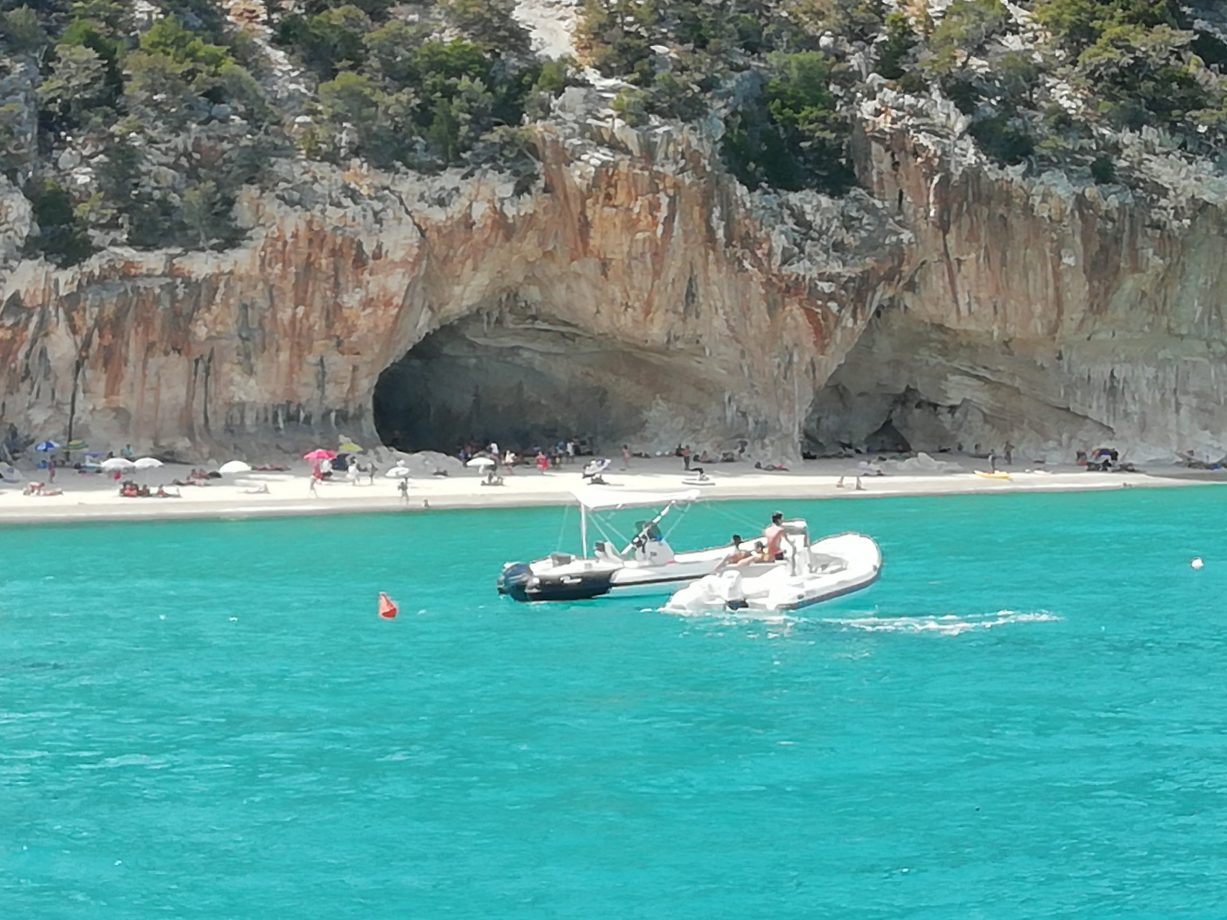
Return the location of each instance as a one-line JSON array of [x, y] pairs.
[[329, 41], [60, 237], [858, 20], [489, 23], [21, 32], [895, 55], [795, 137], [1140, 62], [147, 128], [617, 36], [391, 51], [75, 89], [14, 153]]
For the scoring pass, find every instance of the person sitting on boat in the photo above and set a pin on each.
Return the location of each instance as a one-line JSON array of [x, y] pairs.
[[774, 535], [737, 555], [760, 554]]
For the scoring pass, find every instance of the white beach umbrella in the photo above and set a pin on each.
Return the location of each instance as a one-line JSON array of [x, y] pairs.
[[234, 466], [111, 464], [398, 472], [478, 463], [147, 463]]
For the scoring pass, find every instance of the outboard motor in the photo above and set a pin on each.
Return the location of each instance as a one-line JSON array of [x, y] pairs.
[[728, 588], [513, 580], [720, 590]]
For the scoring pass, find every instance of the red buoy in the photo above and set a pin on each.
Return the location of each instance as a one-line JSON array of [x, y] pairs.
[[387, 607]]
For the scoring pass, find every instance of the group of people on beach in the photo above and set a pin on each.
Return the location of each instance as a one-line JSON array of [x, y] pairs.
[[131, 489], [542, 457]]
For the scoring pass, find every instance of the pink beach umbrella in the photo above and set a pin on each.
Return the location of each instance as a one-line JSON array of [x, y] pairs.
[[320, 454]]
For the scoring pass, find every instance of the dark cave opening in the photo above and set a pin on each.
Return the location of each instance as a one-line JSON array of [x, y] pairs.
[[522, 383]]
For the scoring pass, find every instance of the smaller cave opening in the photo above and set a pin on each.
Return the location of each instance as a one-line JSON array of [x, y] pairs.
[[522, 383], [887, 440]]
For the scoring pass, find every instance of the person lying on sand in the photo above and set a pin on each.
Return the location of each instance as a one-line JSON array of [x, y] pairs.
[[40, 488]]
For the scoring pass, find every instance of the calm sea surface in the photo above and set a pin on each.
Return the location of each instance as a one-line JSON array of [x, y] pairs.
[[1026, 717]]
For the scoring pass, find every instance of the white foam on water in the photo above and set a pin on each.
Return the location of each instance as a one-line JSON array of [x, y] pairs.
[[948, 625], [767, 617]]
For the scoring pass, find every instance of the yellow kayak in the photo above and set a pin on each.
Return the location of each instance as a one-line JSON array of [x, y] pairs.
[[983, 474]]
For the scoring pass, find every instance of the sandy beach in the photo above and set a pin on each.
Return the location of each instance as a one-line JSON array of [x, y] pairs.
[[95, 497]]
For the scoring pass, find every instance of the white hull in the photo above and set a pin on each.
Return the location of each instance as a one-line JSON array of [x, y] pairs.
[[812, 574]]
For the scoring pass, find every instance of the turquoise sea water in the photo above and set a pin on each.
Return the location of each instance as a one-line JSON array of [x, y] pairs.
[[1024, 718]]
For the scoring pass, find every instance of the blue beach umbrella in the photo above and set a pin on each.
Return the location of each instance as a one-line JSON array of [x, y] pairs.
[[46, 446]]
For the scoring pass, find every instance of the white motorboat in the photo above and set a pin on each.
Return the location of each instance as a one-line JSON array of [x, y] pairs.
[[809, 573], [645, 564]]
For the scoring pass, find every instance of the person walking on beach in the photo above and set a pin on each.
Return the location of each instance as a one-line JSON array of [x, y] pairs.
[[626, 456], [314, 481], [1009, 454], [686, 458], [403, 488]]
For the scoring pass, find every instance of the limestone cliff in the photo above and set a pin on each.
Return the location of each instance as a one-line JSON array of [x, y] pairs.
[[635, 292], [632, 290], [1032, 310]]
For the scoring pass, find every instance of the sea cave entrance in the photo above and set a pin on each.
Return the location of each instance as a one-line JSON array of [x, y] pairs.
[[523, 382]]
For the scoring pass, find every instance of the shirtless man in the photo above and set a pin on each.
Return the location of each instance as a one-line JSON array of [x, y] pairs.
[[774, 535]]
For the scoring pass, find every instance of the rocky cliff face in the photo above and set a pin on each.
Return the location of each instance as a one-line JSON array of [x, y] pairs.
[[635, 292], [1030, 310], [631, 293]]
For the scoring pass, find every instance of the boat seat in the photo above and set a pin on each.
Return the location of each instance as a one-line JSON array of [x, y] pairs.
[[658, 552], [821, 562], [561, 558], [602, 550]]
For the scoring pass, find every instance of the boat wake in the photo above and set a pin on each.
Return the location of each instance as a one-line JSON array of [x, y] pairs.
[[949, 625], [732, 617]]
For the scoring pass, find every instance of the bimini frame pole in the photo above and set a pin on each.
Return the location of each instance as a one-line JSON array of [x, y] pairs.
[[652, 523], [583, 530]]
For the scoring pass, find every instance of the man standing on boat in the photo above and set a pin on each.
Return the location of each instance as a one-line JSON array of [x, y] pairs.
[[774, 535]]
